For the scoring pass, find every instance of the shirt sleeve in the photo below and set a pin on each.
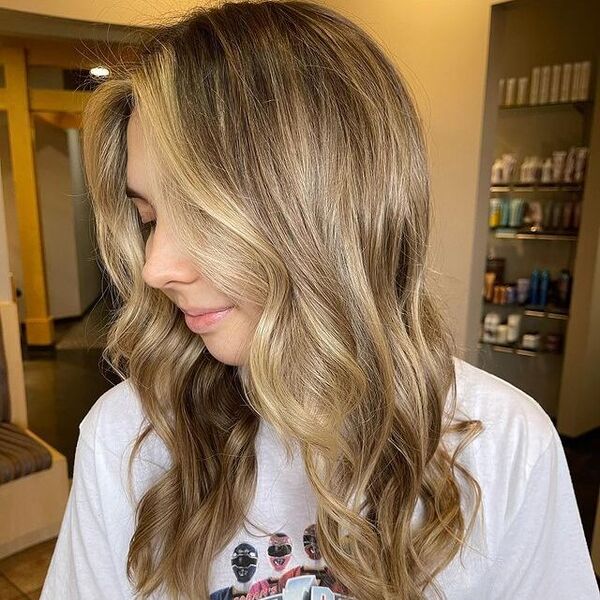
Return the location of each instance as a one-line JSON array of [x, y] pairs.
[[543, 553], [82, 564]]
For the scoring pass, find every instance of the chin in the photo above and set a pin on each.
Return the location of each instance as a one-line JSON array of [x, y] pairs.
[[221, 354]]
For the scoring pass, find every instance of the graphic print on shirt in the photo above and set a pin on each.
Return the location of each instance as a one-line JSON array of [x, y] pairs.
[[310, 580]]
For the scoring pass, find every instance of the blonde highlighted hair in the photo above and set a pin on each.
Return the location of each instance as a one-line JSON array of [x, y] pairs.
[[292, 163]]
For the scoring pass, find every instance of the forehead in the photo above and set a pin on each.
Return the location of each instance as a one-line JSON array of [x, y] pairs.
[[137, 157]]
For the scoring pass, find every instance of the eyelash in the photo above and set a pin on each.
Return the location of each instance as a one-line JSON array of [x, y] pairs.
[[146, 227]]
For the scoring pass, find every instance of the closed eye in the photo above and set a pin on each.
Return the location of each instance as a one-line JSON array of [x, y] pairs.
[[147, 226]]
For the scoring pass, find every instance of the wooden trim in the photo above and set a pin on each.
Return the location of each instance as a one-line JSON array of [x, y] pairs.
[[69, 55], [52, 101], [40, 100], [60, 119], [68, 101]]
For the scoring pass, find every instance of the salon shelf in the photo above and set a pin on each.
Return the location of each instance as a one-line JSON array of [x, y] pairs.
[[538, 187], [515, 349], [579, 105], [510, 234], [531, 310]]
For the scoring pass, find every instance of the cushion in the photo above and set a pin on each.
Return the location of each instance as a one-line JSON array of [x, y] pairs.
[[20, 454]]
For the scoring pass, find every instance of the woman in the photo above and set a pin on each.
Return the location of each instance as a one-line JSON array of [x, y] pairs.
[[263, 163]]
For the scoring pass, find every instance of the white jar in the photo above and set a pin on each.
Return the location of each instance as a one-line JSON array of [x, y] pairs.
[[531, 341], [501, 333], [497, 171], [490, 324], [513, 324]]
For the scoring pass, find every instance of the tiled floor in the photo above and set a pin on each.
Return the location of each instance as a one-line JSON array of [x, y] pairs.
[[22, 574], [63, 383]]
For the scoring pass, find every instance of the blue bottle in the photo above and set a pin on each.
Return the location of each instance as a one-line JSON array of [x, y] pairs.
[[544, 285], [534, 287], [564, 288]]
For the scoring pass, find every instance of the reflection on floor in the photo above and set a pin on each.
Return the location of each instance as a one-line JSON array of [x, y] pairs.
[[62, 384]]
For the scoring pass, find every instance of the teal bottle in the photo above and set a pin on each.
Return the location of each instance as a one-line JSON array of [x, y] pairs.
[[534, 287], [544, 285]]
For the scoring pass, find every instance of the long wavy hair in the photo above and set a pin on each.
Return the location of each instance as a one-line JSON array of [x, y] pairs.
[[291, 160]]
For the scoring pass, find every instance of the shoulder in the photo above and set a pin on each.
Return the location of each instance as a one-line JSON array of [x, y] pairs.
[[517, 435], [115, 417], [115, 421], [528, 502], [515, 424]]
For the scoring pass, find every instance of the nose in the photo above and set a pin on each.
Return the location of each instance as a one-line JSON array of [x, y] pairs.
[[166, 265]]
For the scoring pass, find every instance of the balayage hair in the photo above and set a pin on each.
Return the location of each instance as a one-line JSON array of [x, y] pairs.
[[291, 163]]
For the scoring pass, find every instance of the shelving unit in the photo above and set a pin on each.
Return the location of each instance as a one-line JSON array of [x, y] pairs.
[[530, 310], [527, 235], [580, 105], [527, 130], [539, 187], [513, 349]]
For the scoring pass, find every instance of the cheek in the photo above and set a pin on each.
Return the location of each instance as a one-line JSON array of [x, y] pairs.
[[240, 318], [245, 319]]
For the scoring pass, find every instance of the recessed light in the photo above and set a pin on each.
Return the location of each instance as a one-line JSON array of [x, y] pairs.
[[99, 72]]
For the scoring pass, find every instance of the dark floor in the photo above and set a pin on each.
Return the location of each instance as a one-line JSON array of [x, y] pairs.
[[64, 382], [583, 456]]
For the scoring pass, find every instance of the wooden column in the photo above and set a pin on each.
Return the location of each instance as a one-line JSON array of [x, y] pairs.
[[39, 324]]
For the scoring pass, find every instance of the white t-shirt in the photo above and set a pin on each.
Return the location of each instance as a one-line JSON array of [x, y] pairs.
[[530, 546]]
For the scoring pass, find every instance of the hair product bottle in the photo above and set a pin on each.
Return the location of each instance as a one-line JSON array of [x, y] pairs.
[[534, 90], [565, 86], [544, 285], [534, 287]]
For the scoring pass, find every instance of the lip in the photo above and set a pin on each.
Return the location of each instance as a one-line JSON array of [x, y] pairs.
[[204, 322], [196, 312]]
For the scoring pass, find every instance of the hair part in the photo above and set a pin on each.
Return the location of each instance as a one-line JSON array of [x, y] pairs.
[[291, 161]]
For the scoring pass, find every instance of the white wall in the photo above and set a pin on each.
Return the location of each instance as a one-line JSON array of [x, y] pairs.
[[56, 211], [103, 11]]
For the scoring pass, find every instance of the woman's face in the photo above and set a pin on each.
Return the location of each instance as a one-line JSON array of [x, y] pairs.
[[168, 269]]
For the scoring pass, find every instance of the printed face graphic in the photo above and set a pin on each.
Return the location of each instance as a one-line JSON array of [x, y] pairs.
[[243, 562], [311, 547], [279, 551]]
